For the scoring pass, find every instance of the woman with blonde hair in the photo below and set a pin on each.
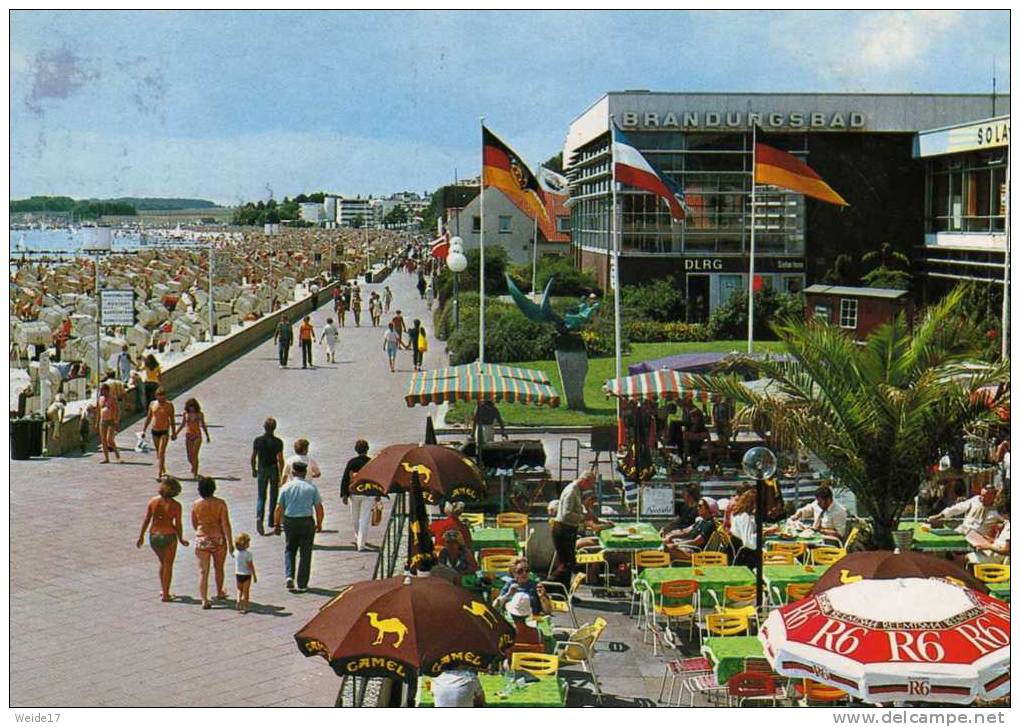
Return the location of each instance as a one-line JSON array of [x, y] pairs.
[[163, 521]]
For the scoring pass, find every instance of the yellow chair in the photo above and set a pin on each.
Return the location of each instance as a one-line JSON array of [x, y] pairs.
[[736, 601], [797, 550], [826, 555], [777, 558], [561, 597], [516, 520], [497, 565], [473, 519], [817, 693], [594, 558], [709, 557], [684, 597], [991, 572], [725, 624], [851, 538], [797, 591], [644, 559], [579, 648], [539, 665]]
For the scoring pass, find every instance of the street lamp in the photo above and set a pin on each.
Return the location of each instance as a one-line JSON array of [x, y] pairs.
[[759, 463], [457, 264]]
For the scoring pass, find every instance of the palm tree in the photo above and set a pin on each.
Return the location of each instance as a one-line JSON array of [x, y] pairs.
[[877, 414]]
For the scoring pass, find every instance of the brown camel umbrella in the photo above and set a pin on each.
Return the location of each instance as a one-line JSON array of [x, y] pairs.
[[887, 565], [443, 473], [397, 626]]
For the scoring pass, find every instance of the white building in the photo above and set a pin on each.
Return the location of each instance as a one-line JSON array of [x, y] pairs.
[[349, 209], [313, 212]]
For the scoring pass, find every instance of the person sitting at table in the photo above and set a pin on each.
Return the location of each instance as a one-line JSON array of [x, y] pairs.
[[520, 582], [742, 528], [695, 433], [729, 510], [992, 551], [455, 556], [458, 688], [452, 521], [827, 516], [686, 512], [483, 424], [526, 635], [696, 536], [979, 514]]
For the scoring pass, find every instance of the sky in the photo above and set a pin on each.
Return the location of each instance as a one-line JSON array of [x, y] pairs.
[[233, 106]]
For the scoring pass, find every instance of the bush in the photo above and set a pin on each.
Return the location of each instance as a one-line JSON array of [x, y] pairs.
[[641, 331], [495, 265], [659, 300], [729, 321], [570, 282]]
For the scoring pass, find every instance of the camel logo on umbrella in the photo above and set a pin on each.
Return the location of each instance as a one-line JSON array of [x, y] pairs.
[[424, 472], [482, 611], [387, 626], [845, 577]]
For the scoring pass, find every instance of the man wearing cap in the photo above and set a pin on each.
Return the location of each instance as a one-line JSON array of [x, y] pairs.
[[570, 516], [298, 501], [979, 514]]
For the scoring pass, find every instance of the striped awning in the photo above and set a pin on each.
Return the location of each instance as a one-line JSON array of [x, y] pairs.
[[506, 372], [425, 389], [662, 384]]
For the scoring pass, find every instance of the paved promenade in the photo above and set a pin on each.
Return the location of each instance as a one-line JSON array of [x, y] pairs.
[[86, 622]]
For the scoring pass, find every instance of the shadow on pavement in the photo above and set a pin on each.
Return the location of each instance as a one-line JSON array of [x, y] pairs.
[[323, 591], [335, 548]]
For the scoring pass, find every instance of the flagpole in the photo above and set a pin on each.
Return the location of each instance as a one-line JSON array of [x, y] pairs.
[[481, 258], [750, 281], [617, 327], [534, 261], [1005, 280]]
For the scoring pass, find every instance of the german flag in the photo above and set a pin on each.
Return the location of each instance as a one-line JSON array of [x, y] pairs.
[[503, 169], [781, 169]]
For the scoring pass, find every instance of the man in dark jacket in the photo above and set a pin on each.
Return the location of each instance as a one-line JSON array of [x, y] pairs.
[[283, 338]]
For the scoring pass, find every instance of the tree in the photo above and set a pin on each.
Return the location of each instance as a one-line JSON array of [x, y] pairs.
[[878, 415], [357, 222], [839, 273], [555, 163], [396, 216], [892, 268]]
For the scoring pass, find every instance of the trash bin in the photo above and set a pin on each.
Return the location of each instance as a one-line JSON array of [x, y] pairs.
[[368, 277], [21, 438], [35, 429]]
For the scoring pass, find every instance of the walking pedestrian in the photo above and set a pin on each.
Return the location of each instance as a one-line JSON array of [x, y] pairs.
[[330, 335], [428, 295], [163, 521], [418, 343], [391, 342], [361, 508], [213, 537], [266, 466], [164, 428], [300, 455], [153, 378], [356, 304], [307, 335], [107, 418], [346, 297], [375, 308], [421, 284], [193, 424], [298, 501], [123, 365], [387, 299], [570, 516], [244, 571], [314, 289], [283, 338], [399, 326]]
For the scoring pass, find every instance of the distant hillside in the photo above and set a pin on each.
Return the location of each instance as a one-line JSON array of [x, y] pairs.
[[165, 203]]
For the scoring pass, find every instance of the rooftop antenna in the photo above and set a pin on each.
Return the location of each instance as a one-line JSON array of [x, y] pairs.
[[993, 85]]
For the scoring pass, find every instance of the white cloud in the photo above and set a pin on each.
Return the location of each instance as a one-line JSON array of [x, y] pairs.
[[890, 41]]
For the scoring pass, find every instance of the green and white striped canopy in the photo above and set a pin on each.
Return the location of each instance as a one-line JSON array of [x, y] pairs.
[[426, 389], [663, 384], [506, 372]]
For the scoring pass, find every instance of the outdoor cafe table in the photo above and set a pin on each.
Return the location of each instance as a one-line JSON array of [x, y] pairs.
[[780, 576], [649, 537], [811, 541], [494, 538], [710, 578], [550, 691], [727, 654], [926, 540]]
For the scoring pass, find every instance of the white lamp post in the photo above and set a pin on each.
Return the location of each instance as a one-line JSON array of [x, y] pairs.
[[457, 264], [759, 463]]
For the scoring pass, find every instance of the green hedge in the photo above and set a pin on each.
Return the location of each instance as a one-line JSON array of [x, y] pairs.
[[643, 331]]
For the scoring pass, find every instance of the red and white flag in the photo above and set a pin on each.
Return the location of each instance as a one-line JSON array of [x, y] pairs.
[[441, 246], [632, 168]]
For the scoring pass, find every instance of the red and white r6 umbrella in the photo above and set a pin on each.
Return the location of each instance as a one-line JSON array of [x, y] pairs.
[[908, 639]]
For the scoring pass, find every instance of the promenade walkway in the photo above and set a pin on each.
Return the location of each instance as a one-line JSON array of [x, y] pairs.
[[87, 627]]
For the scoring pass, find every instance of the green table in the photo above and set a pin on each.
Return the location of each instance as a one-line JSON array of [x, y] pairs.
[[546, 692], [494, 538], [780, 576], [712, 577], [649, 538], [999, 590], [810, 542], [930, 542], [727, 654]]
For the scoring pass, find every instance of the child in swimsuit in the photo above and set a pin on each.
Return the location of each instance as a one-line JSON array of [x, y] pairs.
[[193, 424], [244, 571]]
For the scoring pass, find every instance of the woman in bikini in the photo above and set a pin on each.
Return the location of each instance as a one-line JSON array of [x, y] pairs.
[[193, 424], [164, 428], [107, 417], [164, 516], [213, 537]]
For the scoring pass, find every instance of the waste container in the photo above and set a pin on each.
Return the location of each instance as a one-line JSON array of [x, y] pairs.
[[35, 428], [368, 277], [21, 438]]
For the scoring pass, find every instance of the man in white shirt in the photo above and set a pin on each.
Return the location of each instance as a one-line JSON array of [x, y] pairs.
[[826, 515], [979, 513], [458, 688]]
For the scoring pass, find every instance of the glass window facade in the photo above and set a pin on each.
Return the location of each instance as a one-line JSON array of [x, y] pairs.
[[714, 171], [965, 192]]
